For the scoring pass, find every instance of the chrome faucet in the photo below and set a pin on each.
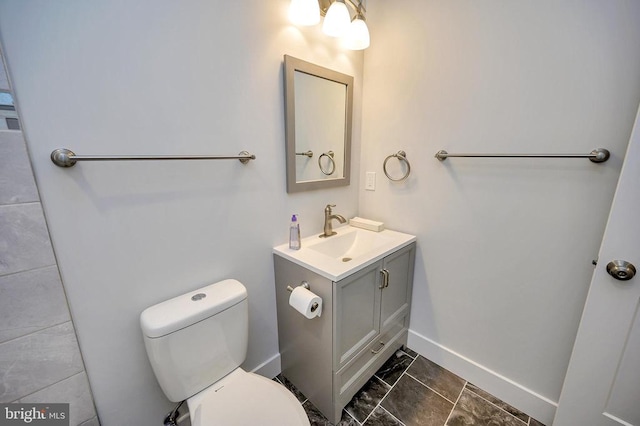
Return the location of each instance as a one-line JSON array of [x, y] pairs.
[[328, 217]]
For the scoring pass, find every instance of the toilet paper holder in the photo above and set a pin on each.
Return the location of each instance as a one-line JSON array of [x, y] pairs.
[[305, 285]]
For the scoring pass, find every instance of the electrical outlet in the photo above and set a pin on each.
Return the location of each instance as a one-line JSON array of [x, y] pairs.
[[370, 184]]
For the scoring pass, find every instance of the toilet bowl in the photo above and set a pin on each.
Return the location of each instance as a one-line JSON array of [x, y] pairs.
[[196, 343], [243, 398]]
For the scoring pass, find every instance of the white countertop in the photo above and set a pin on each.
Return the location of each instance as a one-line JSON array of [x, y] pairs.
[[324, 255]]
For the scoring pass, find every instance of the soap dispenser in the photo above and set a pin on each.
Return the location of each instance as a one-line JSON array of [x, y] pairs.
[[294, 233]]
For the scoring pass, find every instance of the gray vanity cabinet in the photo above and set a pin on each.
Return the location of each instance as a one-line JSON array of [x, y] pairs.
[[372, 322], [397, 294], [364, 321], [356, 307]]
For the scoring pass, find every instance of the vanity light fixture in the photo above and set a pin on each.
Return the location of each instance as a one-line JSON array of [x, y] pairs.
[[357, 37], [337, 21]]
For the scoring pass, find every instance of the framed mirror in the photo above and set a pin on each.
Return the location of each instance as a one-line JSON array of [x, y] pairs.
[[318, 110]]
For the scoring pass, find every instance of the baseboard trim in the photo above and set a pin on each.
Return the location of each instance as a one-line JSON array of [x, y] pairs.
[[531, 403], [270, 368]]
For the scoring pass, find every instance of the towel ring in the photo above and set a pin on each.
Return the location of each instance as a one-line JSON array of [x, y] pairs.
[[329, 155], [402, 156]]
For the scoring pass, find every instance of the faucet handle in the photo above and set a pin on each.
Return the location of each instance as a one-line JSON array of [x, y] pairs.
[[328, 207]]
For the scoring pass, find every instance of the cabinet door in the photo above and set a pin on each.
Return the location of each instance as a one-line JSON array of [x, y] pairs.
[[356, 312], [396, 297]]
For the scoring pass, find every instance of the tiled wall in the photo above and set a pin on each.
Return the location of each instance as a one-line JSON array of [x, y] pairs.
[[40, 360]]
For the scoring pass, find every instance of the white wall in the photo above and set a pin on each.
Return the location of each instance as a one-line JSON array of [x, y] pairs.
[[163, 77], [505, 245]]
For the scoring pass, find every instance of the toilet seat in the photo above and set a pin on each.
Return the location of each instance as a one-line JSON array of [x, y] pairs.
[[242, 398]]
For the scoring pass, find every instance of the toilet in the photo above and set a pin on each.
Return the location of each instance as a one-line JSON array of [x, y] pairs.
[[196, 343]]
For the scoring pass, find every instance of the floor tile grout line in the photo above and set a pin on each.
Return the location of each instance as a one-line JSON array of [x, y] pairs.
[[383, 397], [47, 327], [398, 379], [385, 383], [500, 408], [424, 384], [455, 403], [387, 411], [350, 415], [431, 389], [404, 352], [390, 388], [379, 405], [463, 388], [37, 268], [410, 364], [405, 372], [48, 386], [21, 203]]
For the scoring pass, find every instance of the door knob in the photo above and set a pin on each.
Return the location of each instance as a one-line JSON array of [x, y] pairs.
[[621, 270]]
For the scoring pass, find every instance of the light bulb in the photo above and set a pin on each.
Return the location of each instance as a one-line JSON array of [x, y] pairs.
[[357, 37], [304, 12], [337, 20]]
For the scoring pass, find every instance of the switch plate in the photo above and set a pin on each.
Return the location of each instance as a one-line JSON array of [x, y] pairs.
[[370, 184]]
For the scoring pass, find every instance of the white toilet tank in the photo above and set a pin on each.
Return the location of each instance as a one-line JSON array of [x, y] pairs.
[[195, 339]]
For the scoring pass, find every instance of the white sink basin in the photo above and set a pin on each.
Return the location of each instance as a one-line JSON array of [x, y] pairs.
[[348, 245], [340, 255]]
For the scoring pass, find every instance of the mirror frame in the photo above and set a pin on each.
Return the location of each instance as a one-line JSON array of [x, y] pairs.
[[291, 65]]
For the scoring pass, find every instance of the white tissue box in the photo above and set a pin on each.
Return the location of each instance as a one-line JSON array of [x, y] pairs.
[[371, 225]]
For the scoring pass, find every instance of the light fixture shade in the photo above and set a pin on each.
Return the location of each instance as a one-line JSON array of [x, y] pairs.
[[357, 37], [337, 20], [304, 12]]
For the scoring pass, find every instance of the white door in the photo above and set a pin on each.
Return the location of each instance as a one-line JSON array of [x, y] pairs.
[[602, 386]]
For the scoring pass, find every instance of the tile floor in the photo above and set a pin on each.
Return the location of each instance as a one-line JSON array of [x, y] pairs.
[[413, 391]]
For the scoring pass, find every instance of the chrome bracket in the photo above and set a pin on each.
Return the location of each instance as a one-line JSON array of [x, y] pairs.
[[302, 284]]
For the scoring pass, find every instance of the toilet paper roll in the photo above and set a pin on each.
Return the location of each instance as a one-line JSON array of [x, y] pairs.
[[306, 302]]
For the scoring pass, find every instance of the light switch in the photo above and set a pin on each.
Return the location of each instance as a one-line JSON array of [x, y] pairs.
[[370, 184]]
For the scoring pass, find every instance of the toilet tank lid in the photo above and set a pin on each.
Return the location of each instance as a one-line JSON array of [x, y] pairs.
[[187, 309]]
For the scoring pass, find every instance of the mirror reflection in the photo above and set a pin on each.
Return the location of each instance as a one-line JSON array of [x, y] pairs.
[[318, 112], [319, 126]]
